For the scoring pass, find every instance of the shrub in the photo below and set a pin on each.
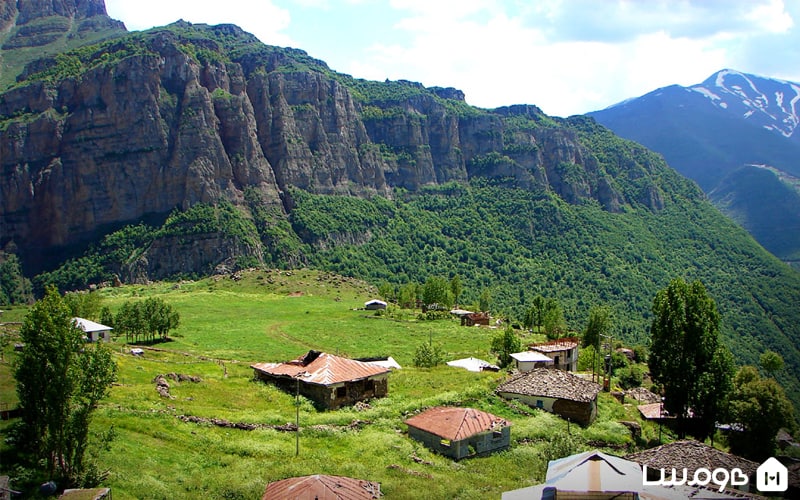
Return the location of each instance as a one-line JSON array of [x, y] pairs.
[[428, 355], [630, 376]]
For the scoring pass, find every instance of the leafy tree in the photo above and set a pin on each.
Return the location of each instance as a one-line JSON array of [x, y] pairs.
[[485, 301], [83, 304], [771, 362], [15, 288], [456, 288], [630, 376], [599, 324], [408, 296], [553, 321], [685, 351], [504, 344], [760, 406], [60, 381], [437, 291], [387, 291], [534, 317]]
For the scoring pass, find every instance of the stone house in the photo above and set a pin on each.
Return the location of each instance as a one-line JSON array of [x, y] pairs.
[[563, 352], [460, 432], [330, 381], [556, 391]]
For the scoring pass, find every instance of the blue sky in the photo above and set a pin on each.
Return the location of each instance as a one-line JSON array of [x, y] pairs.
[[565, 56]]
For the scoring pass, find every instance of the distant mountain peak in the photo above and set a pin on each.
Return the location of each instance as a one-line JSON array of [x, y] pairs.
[[767, 102]]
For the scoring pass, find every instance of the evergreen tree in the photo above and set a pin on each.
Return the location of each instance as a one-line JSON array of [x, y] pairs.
[[60, 380]]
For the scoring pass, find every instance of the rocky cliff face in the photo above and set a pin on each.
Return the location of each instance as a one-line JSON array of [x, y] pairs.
[[190, 114]]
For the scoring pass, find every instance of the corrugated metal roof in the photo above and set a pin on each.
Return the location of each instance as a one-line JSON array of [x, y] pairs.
[[529, 356], [89, 326], [473, 364], [456, 424], [551, 383], [325, 369], [322, 487]]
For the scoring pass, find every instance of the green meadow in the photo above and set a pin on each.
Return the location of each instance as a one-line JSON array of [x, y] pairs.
[[151, 452]]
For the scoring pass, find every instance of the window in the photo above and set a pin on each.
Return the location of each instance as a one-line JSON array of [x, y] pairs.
[[369, 385], [341, 392], [497, 434], [445, 443], [539, 403]]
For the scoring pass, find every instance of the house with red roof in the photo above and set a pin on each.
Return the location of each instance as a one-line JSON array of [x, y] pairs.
[[330, 381], [460, 432], [321, 486]]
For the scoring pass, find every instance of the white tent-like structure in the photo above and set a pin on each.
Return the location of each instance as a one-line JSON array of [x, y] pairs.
[[473, 365]]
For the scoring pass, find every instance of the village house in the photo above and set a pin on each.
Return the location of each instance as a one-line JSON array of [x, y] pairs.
[[556, 391], [692, 455], [330, 381], [94, 331], [375, 305], [320, 486], [460, 432], [473, 365], [563, 352], [528, 360]]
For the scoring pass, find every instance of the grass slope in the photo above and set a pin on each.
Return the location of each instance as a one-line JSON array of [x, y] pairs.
[[277, 315]]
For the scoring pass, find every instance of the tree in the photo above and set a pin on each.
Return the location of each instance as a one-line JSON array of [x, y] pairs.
[[760, 406], [60, 380], [504, 344], [437, 291], [408, 296], [456, 288], [686, 354], [771, 362], [553, 319], [15, 288], [83, 304], [534, 317], [485, 301], [599, 324], [387, 291]]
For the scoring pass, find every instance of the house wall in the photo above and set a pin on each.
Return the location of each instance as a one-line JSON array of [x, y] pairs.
[[583, 413], [479, 444], [328, 396], [526, 366]]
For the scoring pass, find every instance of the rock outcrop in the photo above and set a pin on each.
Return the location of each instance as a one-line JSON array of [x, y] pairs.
[[195, 114]]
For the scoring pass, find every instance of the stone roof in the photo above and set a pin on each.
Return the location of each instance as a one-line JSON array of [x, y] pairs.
[[322, 368], [643, 395], [454, 423], [551, 383], [321, 486], [692, 455]]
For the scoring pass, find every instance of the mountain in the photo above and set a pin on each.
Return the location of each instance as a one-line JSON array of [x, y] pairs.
[[192, 149], [711, 130]]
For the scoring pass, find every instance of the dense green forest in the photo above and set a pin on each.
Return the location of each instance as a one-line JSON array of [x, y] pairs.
[[517, 244]]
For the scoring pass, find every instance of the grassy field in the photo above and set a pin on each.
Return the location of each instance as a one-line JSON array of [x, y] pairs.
[[276, 316]]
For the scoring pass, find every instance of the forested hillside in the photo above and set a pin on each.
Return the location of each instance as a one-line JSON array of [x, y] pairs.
[[190, 150]]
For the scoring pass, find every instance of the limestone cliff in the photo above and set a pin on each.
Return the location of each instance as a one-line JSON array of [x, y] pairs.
[[189, 114]]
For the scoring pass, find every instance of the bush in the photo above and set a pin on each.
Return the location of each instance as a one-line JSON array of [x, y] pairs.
[[630, 376], [428, 355]]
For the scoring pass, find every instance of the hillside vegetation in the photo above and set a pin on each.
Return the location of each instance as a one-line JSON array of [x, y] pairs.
[[154, 452]]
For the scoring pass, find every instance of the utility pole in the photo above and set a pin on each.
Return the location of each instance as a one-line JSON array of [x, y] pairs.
[[607, 378]]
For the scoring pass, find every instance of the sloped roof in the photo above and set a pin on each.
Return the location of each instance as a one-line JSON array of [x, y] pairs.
[[323, 488], [692, 455], [454, 423], [472, 364], [322, 368], [555, 345], [550, 383], [529, 356], [89, 326]]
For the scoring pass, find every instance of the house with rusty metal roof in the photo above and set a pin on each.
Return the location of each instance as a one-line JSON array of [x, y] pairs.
[[330, 381], [460, 432], [556, 391], [318, 487], [563, 352], [692, 455]]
